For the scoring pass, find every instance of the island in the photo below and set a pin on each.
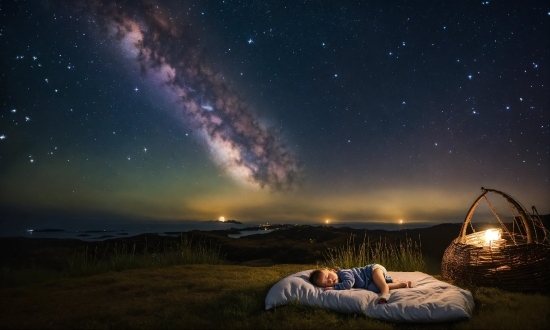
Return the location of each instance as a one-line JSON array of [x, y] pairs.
[[228, 221]]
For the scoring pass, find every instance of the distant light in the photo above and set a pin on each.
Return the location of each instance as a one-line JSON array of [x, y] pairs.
[[222, 219], [400, 221], [327, 220]]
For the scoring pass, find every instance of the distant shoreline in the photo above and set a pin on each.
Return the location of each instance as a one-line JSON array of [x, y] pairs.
[[280, 244], [232, 227]]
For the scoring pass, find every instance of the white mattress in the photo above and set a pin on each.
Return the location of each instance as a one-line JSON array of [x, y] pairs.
[[430, 300]]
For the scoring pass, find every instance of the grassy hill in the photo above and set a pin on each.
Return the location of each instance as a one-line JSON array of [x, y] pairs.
[[207, 280], [220, 296]]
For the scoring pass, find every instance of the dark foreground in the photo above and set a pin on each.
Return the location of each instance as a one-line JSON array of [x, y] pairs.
[[221, 296]]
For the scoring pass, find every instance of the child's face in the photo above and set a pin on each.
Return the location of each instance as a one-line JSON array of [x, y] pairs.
[[329, 278]]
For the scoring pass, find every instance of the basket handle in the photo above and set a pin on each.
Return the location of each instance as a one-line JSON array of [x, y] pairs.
[[523, 215]]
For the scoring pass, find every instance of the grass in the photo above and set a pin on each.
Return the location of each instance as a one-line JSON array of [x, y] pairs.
[[122, 257], [402, 256], [220, 296], [499, 309], [188, 286], [116, 257]]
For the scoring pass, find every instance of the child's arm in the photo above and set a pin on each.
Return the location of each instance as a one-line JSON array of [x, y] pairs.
[[346, 281]]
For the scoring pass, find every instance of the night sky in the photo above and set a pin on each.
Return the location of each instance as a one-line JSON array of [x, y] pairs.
[[272, 111]]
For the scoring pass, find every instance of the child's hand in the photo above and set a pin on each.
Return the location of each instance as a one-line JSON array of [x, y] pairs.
[[329, 288]]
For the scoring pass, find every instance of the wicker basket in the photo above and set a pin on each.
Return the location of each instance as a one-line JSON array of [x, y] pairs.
[[515, 261]]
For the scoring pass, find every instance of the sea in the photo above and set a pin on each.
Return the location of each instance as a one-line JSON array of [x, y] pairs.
[[94, 233]]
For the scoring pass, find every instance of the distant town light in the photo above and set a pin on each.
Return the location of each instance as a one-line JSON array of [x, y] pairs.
[[222, 219]]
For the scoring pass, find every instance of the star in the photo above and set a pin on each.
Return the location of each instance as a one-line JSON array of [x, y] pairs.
[[144, 149], [136, 89], [27, 119], [2, 137], [13, 110], [250, 41]]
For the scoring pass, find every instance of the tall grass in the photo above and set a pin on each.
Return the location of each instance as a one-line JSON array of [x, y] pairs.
[[119, 257], [400, 256]]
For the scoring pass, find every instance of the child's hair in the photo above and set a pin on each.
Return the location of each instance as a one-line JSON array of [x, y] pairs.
[[314, 276]]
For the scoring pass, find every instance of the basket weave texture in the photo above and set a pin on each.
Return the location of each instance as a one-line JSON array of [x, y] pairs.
[[515, 262], [522, 267]]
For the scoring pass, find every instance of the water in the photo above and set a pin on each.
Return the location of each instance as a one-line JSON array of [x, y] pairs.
[[94, 233]]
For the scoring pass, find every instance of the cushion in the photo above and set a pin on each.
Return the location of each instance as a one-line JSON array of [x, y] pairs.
[[430, 300]]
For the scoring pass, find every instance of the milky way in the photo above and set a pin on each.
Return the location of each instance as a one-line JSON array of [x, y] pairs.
[[168, 51], [128, 109]]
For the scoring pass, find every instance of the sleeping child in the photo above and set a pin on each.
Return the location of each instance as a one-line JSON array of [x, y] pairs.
[[373, 277]]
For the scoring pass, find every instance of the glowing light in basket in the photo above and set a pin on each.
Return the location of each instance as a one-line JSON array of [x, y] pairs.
[[491, 235]]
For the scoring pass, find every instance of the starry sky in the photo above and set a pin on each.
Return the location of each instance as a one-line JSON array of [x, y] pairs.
[[272, 111]]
